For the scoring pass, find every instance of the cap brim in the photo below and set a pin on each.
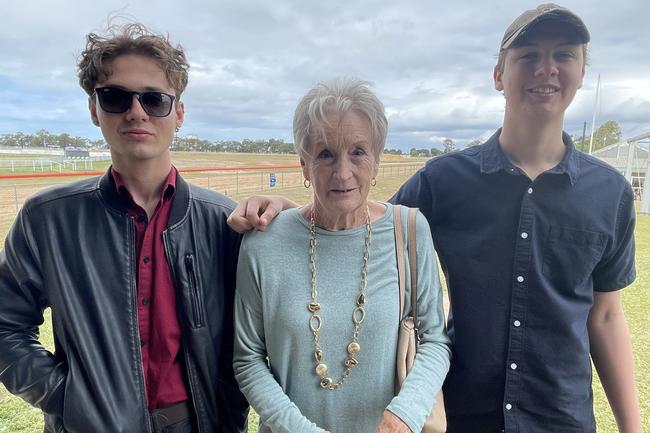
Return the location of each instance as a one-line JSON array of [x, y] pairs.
[[558, 16]]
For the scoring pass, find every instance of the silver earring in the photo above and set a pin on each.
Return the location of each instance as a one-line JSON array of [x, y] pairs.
[[306, 183]]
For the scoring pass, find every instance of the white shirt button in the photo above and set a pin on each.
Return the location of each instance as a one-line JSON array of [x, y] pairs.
[[520, 279], [508, 406], [530, 190], [524, 235], [517, 323], [513, 366]]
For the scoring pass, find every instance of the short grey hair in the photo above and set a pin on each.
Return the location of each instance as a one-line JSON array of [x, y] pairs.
[[338, 96]]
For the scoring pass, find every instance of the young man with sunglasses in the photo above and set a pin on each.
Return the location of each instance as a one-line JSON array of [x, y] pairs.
[[137, 266], [536, 241]]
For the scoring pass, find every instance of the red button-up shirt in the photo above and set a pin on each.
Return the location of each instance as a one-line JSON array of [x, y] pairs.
[[160, 332]]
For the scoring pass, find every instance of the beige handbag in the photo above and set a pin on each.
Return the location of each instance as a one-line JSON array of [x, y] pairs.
[[408, 338]]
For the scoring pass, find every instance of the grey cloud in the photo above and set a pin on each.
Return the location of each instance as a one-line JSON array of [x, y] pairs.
[[251, 61]]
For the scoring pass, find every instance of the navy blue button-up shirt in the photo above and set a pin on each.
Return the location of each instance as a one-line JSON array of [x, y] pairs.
[[522, 259]]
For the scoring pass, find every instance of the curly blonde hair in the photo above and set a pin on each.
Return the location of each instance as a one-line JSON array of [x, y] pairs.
[[132, 38]]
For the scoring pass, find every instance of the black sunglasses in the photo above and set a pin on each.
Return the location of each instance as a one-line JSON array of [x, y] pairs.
[[117, 100]]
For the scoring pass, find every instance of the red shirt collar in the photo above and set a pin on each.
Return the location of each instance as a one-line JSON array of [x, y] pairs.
[[167, 192]]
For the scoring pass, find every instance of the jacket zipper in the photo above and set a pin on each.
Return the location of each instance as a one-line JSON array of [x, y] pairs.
[[197, 300], [134, 304], [190, 381], [189, 264]]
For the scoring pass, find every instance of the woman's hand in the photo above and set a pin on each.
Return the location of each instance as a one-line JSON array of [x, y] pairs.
[[390, 423], [257, 212]]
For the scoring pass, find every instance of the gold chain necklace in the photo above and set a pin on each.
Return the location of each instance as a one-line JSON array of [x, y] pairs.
[[358, 314]]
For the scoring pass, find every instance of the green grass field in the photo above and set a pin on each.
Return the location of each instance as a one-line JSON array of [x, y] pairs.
[[18, 417]]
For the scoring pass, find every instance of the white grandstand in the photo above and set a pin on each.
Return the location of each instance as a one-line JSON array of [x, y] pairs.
[[632, 158]]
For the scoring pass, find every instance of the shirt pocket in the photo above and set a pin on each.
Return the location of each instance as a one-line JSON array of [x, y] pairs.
[[571, 255]]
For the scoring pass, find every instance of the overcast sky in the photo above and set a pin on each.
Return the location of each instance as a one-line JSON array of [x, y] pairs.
[[430, 62]]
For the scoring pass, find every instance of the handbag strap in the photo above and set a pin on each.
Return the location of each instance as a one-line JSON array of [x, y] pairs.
[[412, 252], [413, 267], [399, 251]]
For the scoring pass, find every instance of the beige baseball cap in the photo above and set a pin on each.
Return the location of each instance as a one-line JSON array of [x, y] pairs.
[[543, 12]]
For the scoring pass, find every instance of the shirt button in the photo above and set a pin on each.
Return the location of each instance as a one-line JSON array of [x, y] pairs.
[[517, 323], [508, 406], [524, 235], [141, 343], [520, 279], [530, 190], [145, 260], [145, 301], [513, 366]]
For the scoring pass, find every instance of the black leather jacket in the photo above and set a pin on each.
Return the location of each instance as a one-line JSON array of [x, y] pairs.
[[73, 248]]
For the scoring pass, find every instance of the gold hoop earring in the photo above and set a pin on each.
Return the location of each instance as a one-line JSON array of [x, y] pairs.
[[373, 182], [306, 183]]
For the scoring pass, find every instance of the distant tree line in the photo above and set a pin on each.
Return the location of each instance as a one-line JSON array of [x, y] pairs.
[[190, 143], [448, 146], [608, 133], [195, 144], [44, 139]]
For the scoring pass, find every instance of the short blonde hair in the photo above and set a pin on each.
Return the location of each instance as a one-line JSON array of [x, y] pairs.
[[338, 96]]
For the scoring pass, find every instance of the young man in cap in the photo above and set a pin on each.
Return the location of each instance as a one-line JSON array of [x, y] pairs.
[[137, 266], [536, 241]]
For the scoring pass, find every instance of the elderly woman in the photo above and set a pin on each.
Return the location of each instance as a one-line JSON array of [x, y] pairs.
[[301, 361]]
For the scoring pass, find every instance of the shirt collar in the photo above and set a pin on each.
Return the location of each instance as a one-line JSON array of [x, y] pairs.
[[493, 159], [166, 194]]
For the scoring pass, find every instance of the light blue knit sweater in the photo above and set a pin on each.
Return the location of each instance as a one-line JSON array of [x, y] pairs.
[[271, 322]]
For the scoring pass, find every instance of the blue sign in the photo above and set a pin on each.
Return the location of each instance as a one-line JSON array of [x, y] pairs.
[[271, 179]]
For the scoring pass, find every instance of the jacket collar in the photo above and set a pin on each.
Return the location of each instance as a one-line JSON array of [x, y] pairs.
[[493, 159], [180, 202]]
